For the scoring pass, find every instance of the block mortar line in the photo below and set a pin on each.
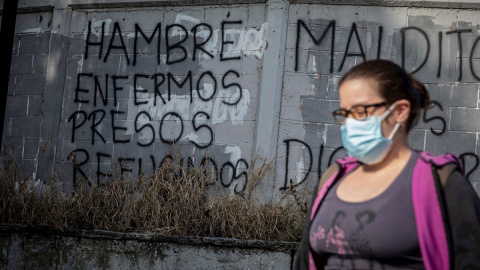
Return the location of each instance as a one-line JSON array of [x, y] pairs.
[[14, 84], [28, 103], [18, 46], [476, 143], [424, 139], [119, 66], [450, 118], [33, 60], [23, 147], [478, 93]]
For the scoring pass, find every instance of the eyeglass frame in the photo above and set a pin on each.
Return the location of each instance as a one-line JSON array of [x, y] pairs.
[[336, 112]]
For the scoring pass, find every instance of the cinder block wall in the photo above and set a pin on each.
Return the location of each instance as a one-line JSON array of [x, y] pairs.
[[128, 82]]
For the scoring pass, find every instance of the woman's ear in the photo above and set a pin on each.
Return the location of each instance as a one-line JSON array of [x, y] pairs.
[[402, 111]]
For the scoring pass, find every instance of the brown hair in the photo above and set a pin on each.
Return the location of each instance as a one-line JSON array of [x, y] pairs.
[[394, 84]]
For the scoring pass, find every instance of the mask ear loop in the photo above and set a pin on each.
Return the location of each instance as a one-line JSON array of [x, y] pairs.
[[397, 126], [385, 115], [387, 112]]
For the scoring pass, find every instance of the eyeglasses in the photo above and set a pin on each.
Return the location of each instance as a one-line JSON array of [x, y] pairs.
[[358, 112]]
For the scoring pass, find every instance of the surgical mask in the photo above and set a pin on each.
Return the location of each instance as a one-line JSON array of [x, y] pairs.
[[364, 140]]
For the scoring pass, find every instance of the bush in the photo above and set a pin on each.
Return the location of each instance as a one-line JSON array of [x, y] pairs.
[[174, 201]]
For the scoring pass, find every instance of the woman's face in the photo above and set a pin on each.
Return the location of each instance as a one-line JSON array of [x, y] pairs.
[[356, 92]]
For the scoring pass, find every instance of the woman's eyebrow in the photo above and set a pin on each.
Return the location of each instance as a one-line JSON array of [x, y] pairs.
[[355, 105], [366, 103], [359, 103]]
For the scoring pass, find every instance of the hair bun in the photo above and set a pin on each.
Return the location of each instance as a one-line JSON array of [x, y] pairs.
[[419, 93]]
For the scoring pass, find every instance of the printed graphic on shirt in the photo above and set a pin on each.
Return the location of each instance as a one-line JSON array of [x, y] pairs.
[[334, 239]]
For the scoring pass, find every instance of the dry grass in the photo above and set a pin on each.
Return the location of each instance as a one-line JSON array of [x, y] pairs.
[[175, 201]]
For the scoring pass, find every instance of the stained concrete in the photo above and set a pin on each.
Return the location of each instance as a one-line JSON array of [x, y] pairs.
[[41, 248]]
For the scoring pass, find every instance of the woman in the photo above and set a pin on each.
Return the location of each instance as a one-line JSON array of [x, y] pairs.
[[386, 206]]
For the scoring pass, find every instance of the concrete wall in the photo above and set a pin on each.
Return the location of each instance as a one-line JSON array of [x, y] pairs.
[[23, 248], [105, 82], [440, 48]]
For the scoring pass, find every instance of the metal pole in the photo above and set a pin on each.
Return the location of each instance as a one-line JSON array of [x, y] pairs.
[[9, 17]]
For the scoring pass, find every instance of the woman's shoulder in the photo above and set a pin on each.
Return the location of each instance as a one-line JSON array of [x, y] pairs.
[[329, 172], [440, 160], [444, 165], [437, 160]]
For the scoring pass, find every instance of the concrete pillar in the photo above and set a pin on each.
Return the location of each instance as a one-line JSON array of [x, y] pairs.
[[54, 91], [271, 81]]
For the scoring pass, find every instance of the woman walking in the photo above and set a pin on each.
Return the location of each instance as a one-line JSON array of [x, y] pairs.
[[386, 206]]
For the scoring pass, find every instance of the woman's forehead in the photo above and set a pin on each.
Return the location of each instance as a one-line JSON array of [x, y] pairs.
[[358, 92]]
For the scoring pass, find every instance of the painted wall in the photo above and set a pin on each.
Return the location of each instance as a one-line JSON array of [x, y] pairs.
[[439, 46], [99, 84]]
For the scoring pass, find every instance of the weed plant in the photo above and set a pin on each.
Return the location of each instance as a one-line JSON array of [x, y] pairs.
[[174, 201]]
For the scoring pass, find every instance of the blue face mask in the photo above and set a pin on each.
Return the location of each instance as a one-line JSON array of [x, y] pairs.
[[364, 140]]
